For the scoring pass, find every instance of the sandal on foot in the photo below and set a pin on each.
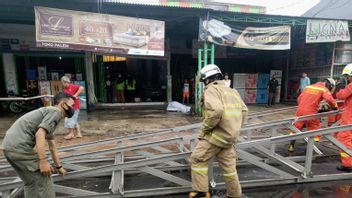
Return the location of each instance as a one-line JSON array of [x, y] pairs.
[[69, 136]]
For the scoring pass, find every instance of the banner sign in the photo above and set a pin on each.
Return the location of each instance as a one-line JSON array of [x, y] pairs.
[[66, 29], [322, 31], [267, 38]]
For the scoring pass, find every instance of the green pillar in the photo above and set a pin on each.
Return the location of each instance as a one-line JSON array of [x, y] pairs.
[[205, 60], [212, 56], [99, 79], [202, 61], [198, 91]]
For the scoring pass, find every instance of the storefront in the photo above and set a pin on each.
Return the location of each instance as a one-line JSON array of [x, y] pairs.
[[144, 78], [160, 77]]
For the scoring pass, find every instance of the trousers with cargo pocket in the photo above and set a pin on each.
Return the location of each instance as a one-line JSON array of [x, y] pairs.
[[226, 157], [27, 168]]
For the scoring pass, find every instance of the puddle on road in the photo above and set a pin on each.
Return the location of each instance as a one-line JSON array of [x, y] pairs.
[[334, 189]]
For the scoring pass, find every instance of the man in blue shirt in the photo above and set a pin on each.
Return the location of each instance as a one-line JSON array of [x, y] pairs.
[[305, 81]]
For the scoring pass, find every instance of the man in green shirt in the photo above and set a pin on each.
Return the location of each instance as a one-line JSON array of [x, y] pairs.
[[120, 89], [24, 146]]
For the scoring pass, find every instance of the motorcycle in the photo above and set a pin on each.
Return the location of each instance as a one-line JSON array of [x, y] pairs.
[[24, 105]]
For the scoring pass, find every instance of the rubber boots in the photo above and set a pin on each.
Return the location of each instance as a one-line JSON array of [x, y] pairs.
[[199, 195]]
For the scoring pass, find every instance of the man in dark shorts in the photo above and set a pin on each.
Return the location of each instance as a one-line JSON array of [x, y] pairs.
[[272, 90]]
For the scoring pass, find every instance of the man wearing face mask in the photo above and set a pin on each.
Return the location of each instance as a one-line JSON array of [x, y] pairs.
[[224, 115], [24, 146], [345, 137]]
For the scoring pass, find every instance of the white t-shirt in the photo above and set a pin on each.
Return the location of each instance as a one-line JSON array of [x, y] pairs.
[[228, 83], [186, 87]]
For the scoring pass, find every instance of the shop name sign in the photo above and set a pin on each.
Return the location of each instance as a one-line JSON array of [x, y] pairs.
[[320, 31], [262, 38], [55, 24], [75, 30]]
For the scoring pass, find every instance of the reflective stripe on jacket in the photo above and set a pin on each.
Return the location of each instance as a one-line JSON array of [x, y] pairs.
[[310, 98], [224, 114]]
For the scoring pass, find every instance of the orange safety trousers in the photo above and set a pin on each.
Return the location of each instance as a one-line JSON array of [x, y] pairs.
[[312, 124], [226, 157], [345, 137], [332, 119]]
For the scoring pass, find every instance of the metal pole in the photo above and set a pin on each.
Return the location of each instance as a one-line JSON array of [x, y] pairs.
[[287, 74], [332, 61], [273, 134], [211, 173], [205, 54], [212, 56], [169, 80], [309, 157]]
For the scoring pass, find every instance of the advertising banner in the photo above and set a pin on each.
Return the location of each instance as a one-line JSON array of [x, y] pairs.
[[66, 29], [262, 38], [322, 31]]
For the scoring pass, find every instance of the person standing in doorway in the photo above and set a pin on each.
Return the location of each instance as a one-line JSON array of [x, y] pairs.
[[109, 89], [120, 88], [224, 115], [185, 95], [31, 130], [272, 90], [227, 80], [305, 81], [72, 123], [130, 88]]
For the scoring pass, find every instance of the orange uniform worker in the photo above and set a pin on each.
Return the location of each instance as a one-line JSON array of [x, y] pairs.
[[332, 119], [345, 137], [308, 104]]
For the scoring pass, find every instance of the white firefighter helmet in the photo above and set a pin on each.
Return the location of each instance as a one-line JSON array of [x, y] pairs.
[[347, 70], [331, 83], [209, 70]]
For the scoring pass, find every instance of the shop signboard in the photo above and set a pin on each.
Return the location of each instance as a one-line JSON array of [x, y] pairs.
[[75, 30], [322, 31], [262, 38]]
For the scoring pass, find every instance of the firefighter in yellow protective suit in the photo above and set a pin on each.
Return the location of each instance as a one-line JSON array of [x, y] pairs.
[[224, 115]]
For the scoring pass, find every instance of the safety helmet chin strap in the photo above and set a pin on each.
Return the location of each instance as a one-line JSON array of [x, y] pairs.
[[214, 78]]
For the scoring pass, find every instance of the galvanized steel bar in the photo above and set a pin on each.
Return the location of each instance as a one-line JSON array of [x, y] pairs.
[[280, 159], [338, 144], [165, 176], [73, 191], [293, 128], [309, 155], [286, 138], [252, 159]]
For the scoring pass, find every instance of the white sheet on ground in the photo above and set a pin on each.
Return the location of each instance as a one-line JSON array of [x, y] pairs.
[[178, 107]]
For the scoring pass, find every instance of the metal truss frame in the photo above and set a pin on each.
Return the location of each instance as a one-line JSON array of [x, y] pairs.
[[165, 159], [264, 19]]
